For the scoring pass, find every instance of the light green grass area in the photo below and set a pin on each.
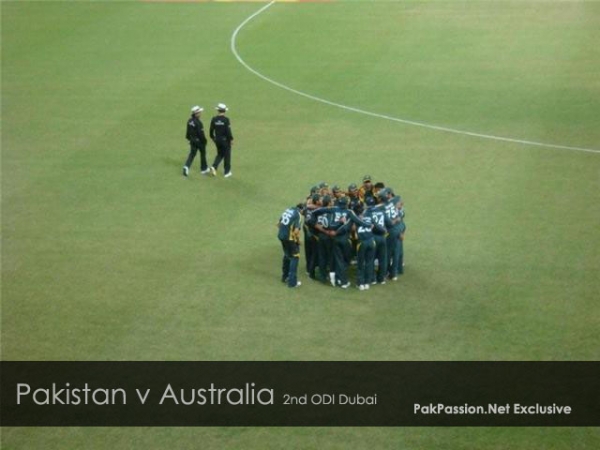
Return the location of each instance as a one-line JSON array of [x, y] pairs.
[[109, 254]]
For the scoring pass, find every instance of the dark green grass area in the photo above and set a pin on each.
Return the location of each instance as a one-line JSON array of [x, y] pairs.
[[304, 438], [109, 254]]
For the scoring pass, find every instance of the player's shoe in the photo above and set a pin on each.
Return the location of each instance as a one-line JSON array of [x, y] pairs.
[[345, 286], [228, 174], [186, 171], [332, 278], [204, 172], [367, 287], [298, 283], [213, 171], [361, 287]]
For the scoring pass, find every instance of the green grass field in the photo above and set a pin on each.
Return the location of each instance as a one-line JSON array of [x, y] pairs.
[[108, 253]]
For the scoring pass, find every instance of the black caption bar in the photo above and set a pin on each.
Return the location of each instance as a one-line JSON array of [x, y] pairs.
[[299, 393]]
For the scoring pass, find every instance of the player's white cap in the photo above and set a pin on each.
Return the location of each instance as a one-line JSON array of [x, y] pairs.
[[197, 109], [221, 107]]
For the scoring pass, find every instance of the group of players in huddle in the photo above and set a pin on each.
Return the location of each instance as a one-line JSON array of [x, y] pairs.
[[365, 224]]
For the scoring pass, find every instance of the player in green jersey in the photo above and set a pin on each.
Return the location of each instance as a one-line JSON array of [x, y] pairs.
[[393, 238], [320, 219], [336, 192], [289, 235], [354, 202], [401, 214], [311, 241], [343, 219], [366, 250], [378, 217]]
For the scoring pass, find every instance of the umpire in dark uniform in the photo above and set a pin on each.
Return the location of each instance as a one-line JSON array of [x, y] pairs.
[[195, 135], [220, 133]]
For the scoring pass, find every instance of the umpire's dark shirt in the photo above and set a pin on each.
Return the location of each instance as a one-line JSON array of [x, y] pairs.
[[220, 129], [195, 131]]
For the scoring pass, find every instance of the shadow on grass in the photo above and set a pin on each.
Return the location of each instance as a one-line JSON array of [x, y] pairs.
[[171, 161]]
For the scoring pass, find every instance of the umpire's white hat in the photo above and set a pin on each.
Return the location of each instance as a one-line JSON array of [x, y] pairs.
[[221, 107], [197, 109]]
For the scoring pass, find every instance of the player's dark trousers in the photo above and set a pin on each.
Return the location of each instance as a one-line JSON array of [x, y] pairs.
[[393, 247], [381, 256], [195, 148], [401, 260], [342, 250], [223, 153], [289, 269], [354, 250], [365, 258], [311, 253], [325, 252]]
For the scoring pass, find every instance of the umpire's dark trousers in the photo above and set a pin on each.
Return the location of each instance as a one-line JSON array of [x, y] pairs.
[[223, 153], [196, 147]]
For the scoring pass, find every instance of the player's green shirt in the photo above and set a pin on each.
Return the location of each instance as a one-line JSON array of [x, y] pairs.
[[289, 222]]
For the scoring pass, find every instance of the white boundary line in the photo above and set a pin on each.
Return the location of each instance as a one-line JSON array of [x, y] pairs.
[[382, 116]]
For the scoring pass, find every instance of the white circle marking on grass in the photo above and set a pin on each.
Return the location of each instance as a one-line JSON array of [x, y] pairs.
[[383, 116]]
